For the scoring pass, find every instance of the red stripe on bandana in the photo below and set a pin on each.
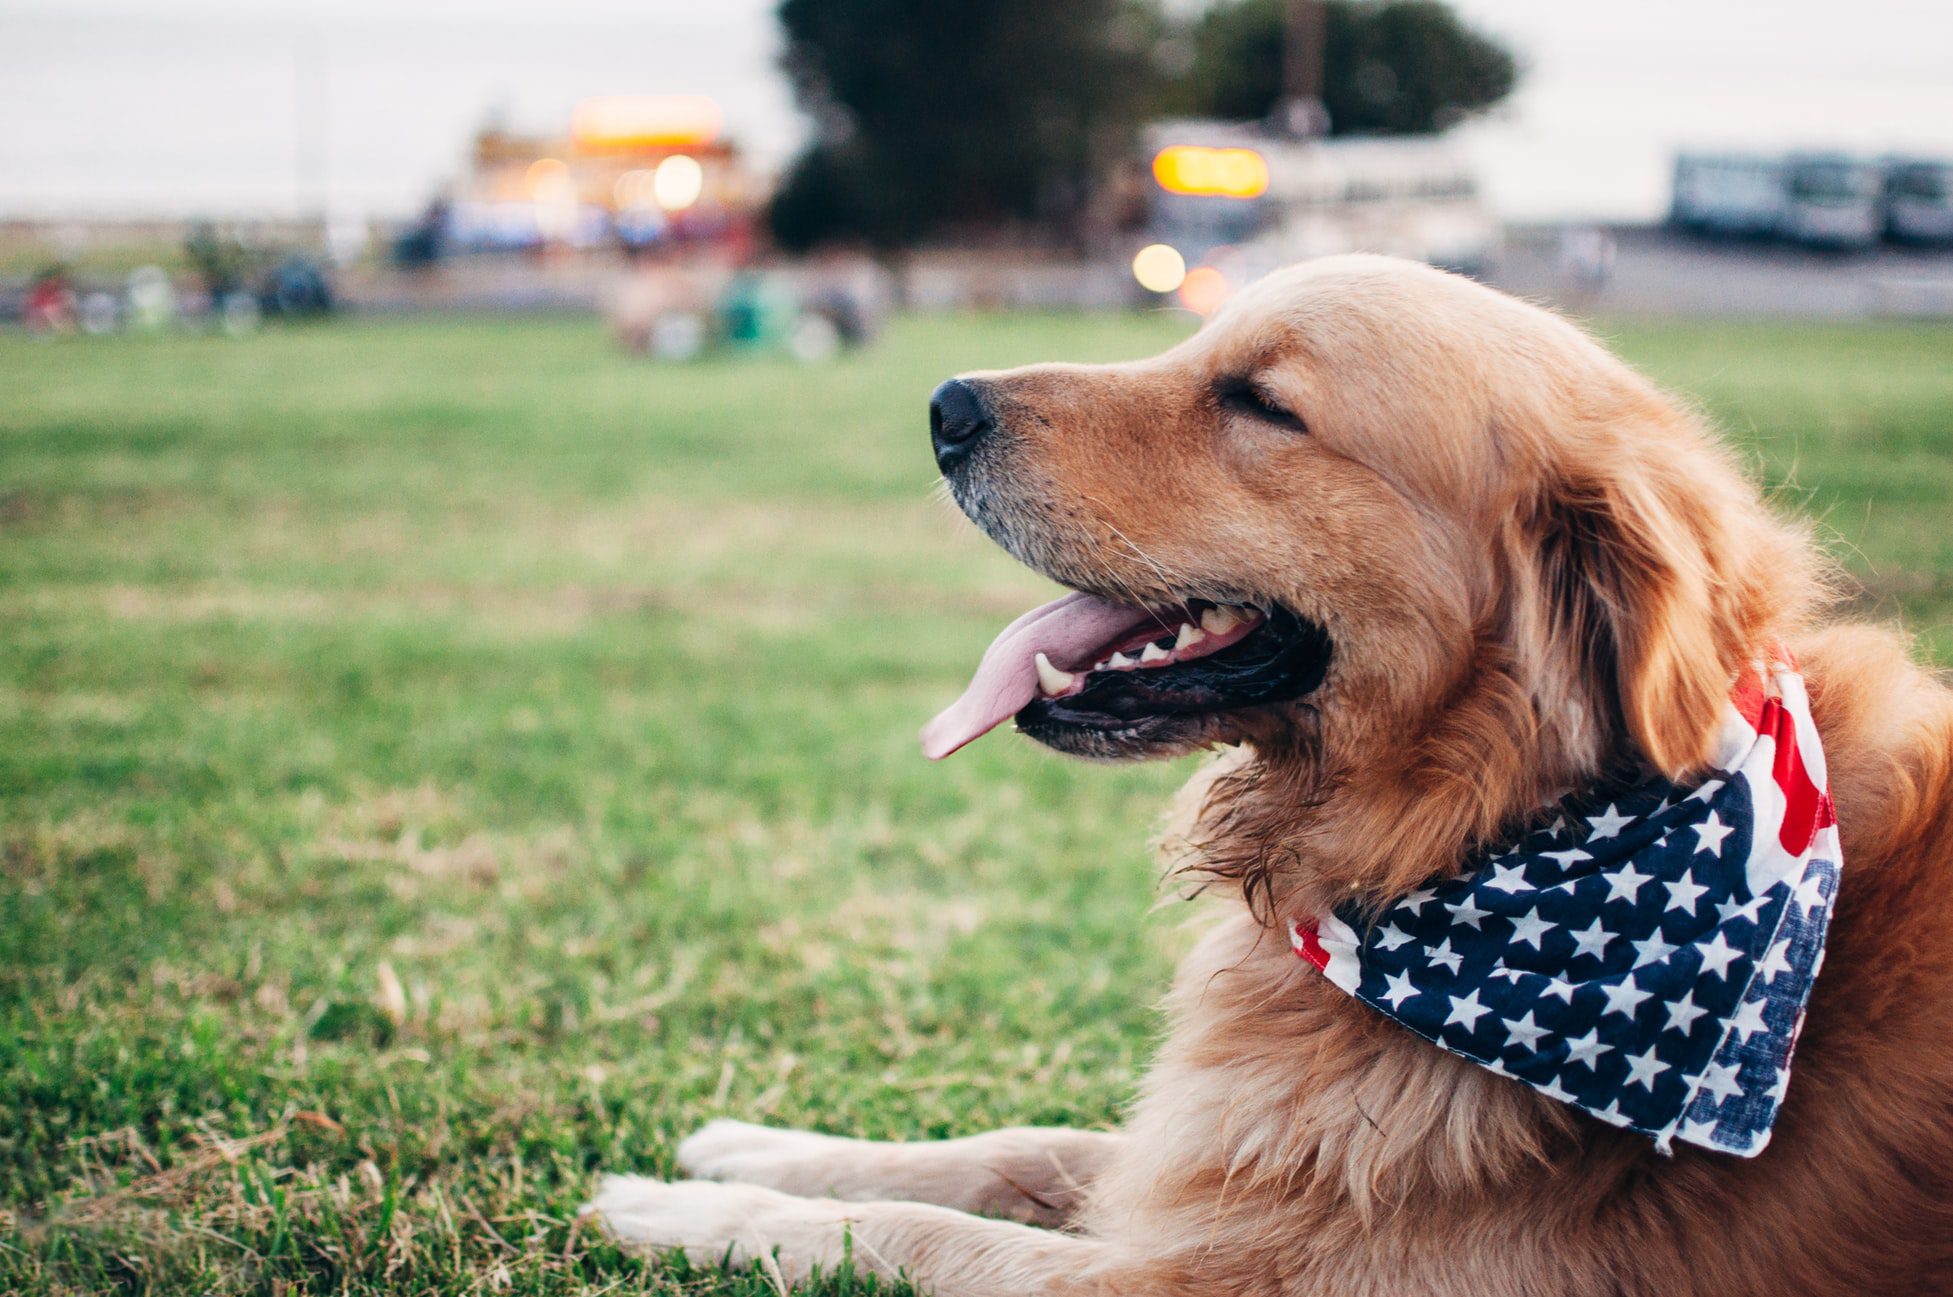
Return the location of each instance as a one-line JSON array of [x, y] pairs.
[[1807, 808], [1307, 939]]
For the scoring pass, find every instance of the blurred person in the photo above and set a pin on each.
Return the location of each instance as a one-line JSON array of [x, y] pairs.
[[50, 306], [1587, 258]]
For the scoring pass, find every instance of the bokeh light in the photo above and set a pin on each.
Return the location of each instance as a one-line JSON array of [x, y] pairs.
[[1159, 268], [678, 182], [1204, 289]]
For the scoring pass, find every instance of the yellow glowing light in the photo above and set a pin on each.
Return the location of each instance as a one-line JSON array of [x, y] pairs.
[[678, 182], [621, 123], [1159, 268], [1204, 289], [1216, 173]]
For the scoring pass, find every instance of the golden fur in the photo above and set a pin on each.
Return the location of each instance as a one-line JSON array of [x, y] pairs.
[[1536, 568]]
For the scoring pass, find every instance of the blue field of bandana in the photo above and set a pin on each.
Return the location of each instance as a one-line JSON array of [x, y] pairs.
[[1615, 960]]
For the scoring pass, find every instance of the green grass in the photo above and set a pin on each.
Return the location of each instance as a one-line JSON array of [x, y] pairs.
[[438, 760]]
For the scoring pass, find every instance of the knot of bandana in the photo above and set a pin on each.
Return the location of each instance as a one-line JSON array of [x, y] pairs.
[[1646, 956]]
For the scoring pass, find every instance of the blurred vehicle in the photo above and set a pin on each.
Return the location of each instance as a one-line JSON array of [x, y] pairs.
[[1919, 200], [1228, 202], [1833, 201], [1728, 194], [1820, 200]]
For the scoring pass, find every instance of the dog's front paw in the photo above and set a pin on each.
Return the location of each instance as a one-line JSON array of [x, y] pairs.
[[738, 1150], [710, 1223]]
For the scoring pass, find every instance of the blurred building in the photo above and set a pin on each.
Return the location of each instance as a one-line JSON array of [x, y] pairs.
[[637, 171]]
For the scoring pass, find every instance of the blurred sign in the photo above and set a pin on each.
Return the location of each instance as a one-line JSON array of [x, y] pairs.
[[622, 123]]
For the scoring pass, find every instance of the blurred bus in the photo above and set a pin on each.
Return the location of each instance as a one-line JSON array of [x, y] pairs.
[[1919, 201], [1225, 203], [1823, 200]]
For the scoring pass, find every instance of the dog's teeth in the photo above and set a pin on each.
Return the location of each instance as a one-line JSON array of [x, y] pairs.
[[1189, 634], [1154, 653], [1050, 679], [1220, 620], [1118, 661]]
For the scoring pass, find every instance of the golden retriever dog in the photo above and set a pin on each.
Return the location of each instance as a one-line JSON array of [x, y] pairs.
[[1448, 559]]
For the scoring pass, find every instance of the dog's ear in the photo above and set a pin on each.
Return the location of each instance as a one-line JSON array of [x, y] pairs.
[[1657, 567]]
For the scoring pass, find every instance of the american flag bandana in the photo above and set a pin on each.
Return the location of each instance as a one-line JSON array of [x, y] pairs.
[[1646, 956]]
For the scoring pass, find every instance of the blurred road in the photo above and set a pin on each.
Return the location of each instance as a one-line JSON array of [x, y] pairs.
[[1659, 273]]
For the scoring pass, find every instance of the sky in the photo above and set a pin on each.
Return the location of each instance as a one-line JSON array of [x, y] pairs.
[[258, 106]]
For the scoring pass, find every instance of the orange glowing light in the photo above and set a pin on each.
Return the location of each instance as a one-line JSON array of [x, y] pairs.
[[1204, 289], [620, 123], [1213, 173]]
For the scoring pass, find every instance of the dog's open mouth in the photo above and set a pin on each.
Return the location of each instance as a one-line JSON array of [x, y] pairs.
[[1091, 675]]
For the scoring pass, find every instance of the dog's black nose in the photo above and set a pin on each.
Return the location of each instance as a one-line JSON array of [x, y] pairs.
[[957, 421]]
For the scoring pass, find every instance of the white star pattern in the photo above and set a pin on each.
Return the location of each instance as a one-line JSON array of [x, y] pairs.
[[1623, 997], [1730, 911], [1685, 893], [1748, 1021], [1810, 894], [1418, 899], [1707, 791], [1467, 1010], [1651, 950], [1585, 1049], [1612, 1113], [1571, 856], [1524, 1032], [1507, 878], [1592, 940], [1710, 833], [1464, 912], [1560, 987], [1442, 955], [1683, 1013], [1397, 989], [1607, 825], [1390, 937], [1625, 883], [1644, 1067], [1718, 955], [1697, 1132], [1774, 963], [1529, 928], [1718, 1079]]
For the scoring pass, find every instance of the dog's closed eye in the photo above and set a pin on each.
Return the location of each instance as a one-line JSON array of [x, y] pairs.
[[1243, 396]]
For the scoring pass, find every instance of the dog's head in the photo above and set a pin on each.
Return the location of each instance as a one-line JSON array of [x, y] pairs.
[[1384, 525]]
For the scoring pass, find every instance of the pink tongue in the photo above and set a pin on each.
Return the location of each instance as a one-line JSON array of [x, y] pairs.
[[1064, 630]]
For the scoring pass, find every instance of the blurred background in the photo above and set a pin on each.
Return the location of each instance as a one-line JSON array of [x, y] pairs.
[[503, 155], [471, 572]]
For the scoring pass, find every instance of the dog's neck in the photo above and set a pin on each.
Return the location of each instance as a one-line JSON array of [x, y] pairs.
[[1302, 833]]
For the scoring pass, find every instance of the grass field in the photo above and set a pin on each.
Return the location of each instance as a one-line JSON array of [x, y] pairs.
[[438, 760]]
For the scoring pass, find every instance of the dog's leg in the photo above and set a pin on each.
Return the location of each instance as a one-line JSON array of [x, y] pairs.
[[945, 1253], [1036, 1175]]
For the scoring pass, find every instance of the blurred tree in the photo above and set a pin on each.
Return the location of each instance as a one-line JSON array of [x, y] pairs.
[[938, 118], [1390, 66]]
